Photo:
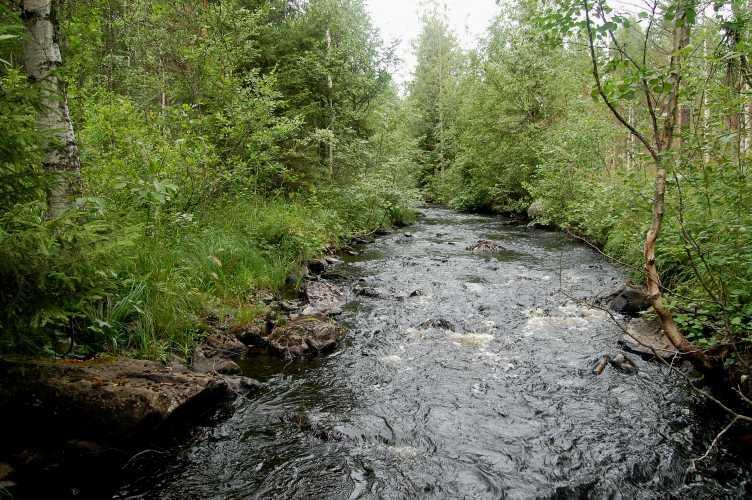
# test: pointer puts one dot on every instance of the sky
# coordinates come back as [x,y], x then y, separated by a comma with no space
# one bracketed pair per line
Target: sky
[400,20]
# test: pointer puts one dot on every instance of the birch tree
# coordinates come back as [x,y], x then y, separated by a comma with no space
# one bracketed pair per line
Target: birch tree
[42,58]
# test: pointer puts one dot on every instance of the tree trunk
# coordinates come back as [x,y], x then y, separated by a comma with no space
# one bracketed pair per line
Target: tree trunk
[664,148]
[330,85]
[41,59]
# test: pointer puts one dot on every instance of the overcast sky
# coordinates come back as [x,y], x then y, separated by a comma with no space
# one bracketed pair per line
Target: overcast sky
[400,19]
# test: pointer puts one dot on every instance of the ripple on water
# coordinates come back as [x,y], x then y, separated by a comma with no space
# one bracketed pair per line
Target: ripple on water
[504,406]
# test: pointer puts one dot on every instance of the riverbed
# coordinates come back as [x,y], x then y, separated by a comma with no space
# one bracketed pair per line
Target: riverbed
[462,376]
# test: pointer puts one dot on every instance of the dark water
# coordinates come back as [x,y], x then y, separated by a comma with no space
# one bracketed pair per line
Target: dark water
[504,406]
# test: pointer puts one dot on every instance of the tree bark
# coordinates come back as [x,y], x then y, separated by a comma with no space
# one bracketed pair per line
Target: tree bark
[41,60]
[680,40]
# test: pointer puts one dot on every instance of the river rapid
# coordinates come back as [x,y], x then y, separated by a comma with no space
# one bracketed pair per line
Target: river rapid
[462,376]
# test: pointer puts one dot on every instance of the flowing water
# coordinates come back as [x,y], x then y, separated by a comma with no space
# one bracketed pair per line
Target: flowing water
[495,398]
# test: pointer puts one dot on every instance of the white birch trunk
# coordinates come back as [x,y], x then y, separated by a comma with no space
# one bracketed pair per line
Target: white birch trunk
[41,60]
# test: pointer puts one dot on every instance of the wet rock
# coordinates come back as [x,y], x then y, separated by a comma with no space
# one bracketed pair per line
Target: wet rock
[111,400]
[646,339]
[203,363]
[417,293]
[623,364]
[332,261]
[305,335]
[242,386]
[628,300]
[217,354]
[317,266]
[324,298]
[224,345]
[536,209]
[250,335]
[368,292]
[381,232]
[437,323]
[485,246]
[408,235]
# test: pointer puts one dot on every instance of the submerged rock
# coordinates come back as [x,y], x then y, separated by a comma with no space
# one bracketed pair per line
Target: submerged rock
[305,335]
[485,246]
[441,324]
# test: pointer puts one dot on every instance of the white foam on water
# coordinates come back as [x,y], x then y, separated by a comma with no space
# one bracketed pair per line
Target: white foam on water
[471,339]
[569,316]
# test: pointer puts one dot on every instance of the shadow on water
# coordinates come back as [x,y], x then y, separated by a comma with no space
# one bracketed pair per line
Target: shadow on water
[462,376]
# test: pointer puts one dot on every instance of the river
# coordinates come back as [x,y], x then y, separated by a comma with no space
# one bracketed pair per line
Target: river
[493,398]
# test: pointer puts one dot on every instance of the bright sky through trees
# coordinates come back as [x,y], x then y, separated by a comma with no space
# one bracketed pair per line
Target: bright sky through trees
[400,19]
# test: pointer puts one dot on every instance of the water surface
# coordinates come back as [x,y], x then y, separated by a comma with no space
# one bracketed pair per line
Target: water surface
[496,401]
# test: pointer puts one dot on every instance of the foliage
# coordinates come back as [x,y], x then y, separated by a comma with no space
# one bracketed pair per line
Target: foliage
[200,129]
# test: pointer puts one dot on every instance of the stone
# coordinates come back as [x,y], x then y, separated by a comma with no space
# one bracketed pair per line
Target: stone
[536,209]
[332,261]
[485,246]
[365,291]
[250,335]
[318,266]
[305,336]
[646,339]
[623,364]
[628,300]
[114,400]
[441,324]
[204,363]
[224,345]
[323,298]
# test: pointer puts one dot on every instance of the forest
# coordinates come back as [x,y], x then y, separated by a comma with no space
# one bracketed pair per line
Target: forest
[182,157]
[182,180]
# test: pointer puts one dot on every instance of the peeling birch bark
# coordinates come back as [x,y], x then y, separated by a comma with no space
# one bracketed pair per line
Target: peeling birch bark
[41,60]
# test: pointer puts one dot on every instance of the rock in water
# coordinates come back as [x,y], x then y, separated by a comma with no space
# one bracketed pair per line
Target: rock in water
[628,300]
[217,354]
[623,364]
[305,335]
[324,298]
[485,246]
[116,401]
[646,339]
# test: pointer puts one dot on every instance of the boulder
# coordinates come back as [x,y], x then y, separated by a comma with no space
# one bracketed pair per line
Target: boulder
[204,362]
[628,300]
[116,401]
[304,336]
[318,266]
[217,354]
[536,210]
[485,246]
[251,335]
[646,339]
[324,298]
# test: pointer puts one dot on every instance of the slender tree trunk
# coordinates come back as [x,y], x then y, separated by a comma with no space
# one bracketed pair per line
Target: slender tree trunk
[41,59]
[330,84]
[680,37]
